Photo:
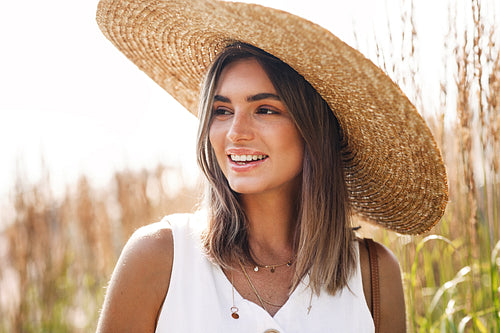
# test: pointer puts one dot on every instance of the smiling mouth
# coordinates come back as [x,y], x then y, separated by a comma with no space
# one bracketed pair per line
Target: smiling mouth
[245,159]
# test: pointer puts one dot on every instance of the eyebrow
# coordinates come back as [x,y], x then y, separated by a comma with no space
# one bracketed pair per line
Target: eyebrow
[219,98]
[262,96]
[253,98]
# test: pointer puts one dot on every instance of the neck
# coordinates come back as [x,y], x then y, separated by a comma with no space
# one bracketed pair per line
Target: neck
[272,222]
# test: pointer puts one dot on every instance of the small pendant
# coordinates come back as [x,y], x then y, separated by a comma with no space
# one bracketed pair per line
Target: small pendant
[272,269]
[234,313]
[256,268]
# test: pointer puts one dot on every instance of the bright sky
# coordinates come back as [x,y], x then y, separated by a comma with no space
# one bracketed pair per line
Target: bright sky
[68,95]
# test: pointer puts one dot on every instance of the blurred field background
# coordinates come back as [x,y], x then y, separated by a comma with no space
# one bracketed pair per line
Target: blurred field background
[57,251]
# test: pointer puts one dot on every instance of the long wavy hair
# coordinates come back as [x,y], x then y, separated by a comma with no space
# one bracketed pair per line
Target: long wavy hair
[324,240]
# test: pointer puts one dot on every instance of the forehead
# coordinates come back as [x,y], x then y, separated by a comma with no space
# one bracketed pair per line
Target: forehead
[241,74]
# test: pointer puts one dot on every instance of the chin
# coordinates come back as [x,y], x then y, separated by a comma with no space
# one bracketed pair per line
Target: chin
[242,189]
[246,187]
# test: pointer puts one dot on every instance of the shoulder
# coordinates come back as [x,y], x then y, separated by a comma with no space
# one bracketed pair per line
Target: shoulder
[149,246]
[150,236]
[140,281]
[387,261]
[392,305]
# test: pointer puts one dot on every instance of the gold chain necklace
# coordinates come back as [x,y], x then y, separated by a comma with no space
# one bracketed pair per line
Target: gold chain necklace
[261,300]
[235,309]
[273,267]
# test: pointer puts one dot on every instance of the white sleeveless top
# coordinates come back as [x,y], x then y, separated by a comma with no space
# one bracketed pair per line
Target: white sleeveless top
[199,297]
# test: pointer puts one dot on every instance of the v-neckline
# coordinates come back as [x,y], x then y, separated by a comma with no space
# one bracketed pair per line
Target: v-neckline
[230,286]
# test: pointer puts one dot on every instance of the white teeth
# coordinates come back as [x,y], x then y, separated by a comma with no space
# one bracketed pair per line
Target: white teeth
[247,158]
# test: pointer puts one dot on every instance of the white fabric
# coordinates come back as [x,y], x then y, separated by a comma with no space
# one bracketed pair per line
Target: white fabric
[200,297]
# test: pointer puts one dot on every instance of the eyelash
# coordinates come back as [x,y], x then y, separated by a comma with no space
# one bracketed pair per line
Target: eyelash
[266,111]
[261,110]
[221,112]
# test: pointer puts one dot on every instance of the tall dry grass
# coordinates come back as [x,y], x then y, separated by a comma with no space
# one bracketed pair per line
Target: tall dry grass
[451,275]
[61,251]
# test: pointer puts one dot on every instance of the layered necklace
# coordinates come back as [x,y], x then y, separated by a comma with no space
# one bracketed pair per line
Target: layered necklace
[262,301]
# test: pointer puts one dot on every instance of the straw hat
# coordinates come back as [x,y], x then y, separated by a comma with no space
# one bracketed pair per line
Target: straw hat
[394,171]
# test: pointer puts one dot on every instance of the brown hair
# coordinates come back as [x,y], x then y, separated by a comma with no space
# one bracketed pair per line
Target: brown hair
[323,237]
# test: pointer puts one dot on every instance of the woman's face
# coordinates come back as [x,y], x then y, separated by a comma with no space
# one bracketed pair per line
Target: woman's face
[256,142]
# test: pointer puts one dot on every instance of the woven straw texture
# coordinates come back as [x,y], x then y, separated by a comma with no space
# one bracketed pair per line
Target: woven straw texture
[394,171]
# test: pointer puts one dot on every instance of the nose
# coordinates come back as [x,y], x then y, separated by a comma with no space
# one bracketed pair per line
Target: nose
[241,128]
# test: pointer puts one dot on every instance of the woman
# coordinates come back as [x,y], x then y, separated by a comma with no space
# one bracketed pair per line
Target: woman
[288,150]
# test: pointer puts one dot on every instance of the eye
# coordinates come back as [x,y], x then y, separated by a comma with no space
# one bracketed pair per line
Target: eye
[266,110]
[222,111]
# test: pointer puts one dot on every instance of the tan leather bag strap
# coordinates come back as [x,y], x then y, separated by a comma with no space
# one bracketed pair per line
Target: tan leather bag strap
[374,279]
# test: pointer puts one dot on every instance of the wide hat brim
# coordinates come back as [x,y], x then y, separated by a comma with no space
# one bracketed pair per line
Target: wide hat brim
[394,170]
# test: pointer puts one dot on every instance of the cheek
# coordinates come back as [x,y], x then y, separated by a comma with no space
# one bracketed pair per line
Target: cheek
[212,136]
[295,144]
[216,139]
